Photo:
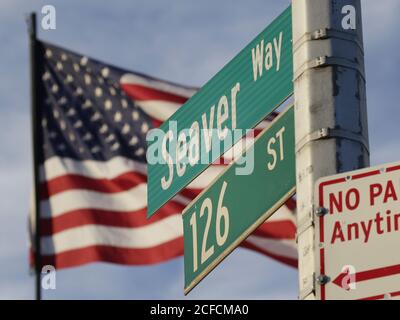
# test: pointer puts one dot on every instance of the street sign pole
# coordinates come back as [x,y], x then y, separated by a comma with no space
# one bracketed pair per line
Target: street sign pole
[330,111]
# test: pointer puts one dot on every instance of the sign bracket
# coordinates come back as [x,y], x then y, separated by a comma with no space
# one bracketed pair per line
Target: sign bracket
[327,133]
[309,289]
[305,223]
[327,33]
[328,61]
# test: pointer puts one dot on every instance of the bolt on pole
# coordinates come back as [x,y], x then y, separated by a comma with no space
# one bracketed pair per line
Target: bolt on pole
[330,111]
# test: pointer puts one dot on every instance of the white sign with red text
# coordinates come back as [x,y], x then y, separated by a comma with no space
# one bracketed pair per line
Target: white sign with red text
[358,234]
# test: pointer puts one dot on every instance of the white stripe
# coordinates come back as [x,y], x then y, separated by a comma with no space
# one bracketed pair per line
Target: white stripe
[283,213]
[125,201]
[284,247]
[263,124]
[160,110]
[58,166]
[148,236]
[130,78]
[206,177]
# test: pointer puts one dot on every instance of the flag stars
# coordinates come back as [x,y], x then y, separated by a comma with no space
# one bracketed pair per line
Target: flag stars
[145,127]
[46,76]
[62,101]
[126,128]
[117,116]
[56,113]
[98,92]
[87,137]
[69,78]
[105,72]
[84,61]
[135,115]
[139,152]
[124,103]
[134,140]
[59,66]
[71,112]
[87,104]
[95,149]
[88,115]
[63,125]
[78,124]
[108,104]
[76,67]
[115,146]
[88,79]
[103,129]
[110,138]
[49,53]
[96,116]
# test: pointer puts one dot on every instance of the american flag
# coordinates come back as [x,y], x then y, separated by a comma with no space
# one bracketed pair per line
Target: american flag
[94,119]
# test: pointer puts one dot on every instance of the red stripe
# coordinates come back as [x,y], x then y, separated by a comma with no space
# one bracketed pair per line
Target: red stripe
[127,256]
[121,183]
[284,229]
[143,93]
[286,260]
[82,217]
[190,193]
[291,204]
[156,123]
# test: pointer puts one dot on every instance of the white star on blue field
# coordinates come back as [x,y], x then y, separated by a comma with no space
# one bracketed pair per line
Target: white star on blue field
[187,42]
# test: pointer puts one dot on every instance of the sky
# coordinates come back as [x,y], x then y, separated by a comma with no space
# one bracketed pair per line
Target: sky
[187,42]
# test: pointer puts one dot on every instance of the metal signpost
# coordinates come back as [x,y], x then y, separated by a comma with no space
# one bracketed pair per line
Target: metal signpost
[243,93]
[330,110]
[224,214]
[358,232]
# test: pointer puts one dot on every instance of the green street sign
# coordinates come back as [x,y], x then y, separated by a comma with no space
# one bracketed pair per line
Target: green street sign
[237,98]
[224,214]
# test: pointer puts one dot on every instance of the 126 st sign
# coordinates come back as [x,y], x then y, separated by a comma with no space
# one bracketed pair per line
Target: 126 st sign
[233,206]
[237,98]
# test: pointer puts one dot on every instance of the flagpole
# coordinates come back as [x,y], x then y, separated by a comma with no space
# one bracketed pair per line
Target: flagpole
[35,145]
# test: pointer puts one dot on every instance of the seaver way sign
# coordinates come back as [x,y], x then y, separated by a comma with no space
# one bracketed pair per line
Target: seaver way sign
[237,98]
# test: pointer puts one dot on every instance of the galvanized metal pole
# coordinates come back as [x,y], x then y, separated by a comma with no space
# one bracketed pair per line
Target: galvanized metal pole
[330,110]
